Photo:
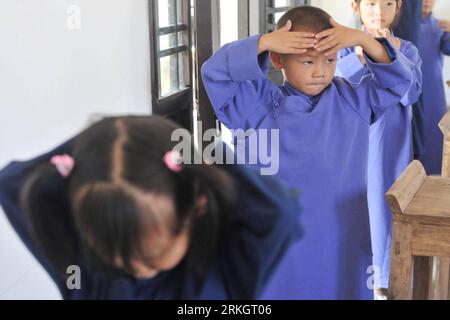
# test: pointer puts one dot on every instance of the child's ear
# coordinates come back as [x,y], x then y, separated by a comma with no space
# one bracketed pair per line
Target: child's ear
[399,4]
[276,60]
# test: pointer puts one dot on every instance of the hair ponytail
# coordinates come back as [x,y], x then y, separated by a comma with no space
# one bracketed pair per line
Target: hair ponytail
[217,186]
[118,160]
[45,204]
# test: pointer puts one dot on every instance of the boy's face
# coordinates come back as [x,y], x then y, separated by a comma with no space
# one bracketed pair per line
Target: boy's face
[428,6]
[310,73]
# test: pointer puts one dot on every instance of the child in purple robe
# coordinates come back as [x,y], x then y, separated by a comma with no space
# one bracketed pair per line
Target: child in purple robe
[390,142]
[323,124]
[434,44]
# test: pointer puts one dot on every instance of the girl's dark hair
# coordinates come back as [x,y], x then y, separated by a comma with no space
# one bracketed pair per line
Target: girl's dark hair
[119,161]
[397,16]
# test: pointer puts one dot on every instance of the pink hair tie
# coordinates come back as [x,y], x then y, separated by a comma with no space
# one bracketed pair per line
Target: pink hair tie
[173,161]
[64,164]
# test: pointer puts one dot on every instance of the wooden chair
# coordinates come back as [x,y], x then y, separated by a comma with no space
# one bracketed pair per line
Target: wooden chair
[444,125]
[421,230]
[420,266]
[440,288]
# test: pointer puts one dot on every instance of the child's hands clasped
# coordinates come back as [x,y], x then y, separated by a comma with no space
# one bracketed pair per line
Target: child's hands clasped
[386,33]
[382,33]
[284,41]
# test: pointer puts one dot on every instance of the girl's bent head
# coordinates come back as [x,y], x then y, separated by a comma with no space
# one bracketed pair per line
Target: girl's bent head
[132,213]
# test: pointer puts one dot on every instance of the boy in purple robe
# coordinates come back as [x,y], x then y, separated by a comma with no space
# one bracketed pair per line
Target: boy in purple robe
[323,125]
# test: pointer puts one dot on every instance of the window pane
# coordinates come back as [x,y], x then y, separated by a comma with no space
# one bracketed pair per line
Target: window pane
[182,38]
[282,3]
[167,41]
[183,59]
[276,5]
[166,13]
[229,28]
[180,12]
[168,75]
[278,16]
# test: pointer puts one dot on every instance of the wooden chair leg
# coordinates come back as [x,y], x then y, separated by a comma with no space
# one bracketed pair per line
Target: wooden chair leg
[441,283]
[401,261]
[422,276]
[449,286]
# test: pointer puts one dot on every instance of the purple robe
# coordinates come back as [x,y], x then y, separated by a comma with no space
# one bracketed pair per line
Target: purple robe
[323,152]
[434,44]
[390,153]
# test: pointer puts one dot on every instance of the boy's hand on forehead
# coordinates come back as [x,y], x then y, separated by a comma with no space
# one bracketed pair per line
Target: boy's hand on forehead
[285,41]
[337,38]
[340,37]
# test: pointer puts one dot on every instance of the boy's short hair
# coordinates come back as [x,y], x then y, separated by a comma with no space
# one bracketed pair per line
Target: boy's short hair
[306,18]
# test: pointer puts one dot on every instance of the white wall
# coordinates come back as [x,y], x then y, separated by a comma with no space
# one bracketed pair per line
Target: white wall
[55,74]
[228,21]
[341,10]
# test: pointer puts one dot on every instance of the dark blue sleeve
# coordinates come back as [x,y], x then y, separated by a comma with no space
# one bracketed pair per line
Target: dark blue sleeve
[443,37]
[445,43]
[408,27]
[260,231]
[12,178]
